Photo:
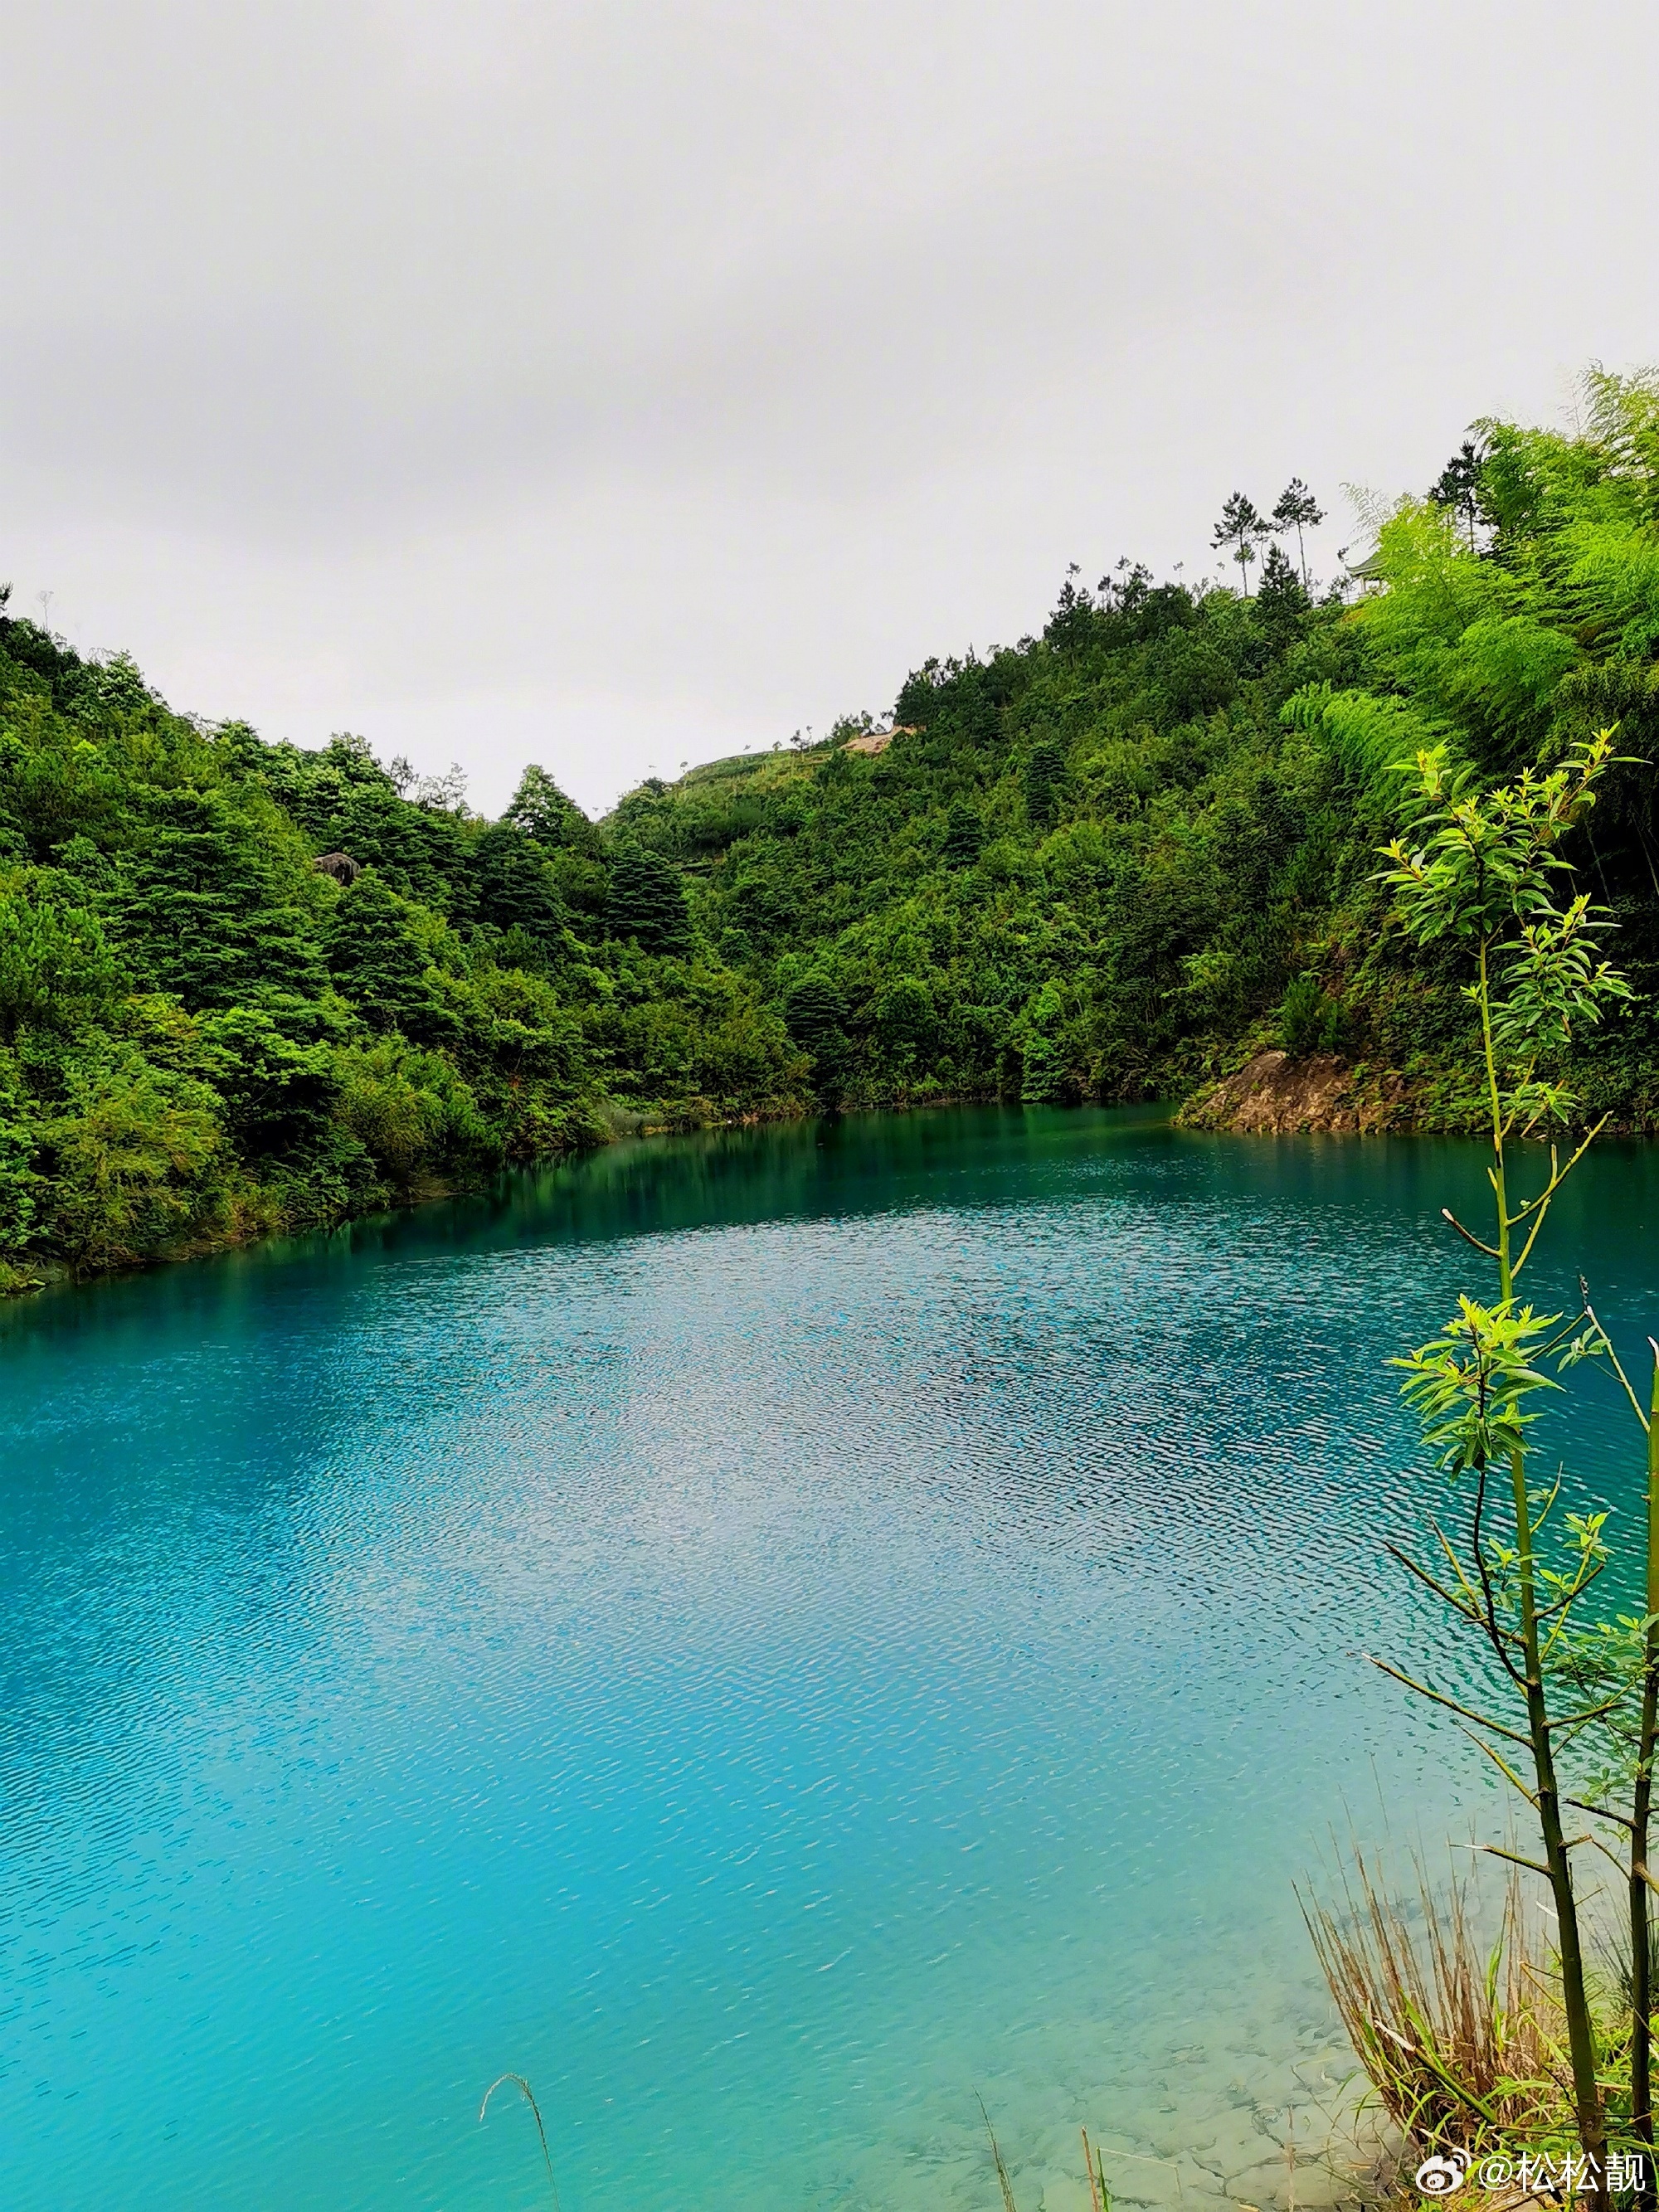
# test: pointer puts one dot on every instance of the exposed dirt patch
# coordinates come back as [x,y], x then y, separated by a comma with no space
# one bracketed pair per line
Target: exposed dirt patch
[1274,1096]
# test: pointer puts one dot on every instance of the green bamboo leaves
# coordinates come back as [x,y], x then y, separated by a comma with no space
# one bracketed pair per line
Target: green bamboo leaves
[1468,1384]
[1474,864]
[1480,868]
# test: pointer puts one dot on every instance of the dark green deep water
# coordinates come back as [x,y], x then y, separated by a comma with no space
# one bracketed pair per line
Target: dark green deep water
[765,1635]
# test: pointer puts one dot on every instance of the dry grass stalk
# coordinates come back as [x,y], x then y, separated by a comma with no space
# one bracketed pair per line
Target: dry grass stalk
[1456,2040]
[529,2096]
[1095,2189]
[1008,2204]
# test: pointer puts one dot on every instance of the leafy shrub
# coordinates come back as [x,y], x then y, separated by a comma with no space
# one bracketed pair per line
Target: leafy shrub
[56,967]
[134,1161]
[411,1112]
[1309,1022]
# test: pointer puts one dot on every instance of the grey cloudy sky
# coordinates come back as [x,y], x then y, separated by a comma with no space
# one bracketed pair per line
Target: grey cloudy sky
[617,386]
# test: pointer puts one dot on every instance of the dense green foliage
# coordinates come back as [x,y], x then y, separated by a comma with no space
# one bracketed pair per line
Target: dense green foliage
[1102,862]
[1081,861]
[1106,861]
[202,1035]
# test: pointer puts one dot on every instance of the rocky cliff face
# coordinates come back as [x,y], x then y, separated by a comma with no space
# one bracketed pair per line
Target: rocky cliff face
[1273,1094]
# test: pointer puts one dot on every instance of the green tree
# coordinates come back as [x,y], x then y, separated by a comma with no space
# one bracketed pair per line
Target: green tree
[21,1181]
[513,887]
[1309,1020]
[277,1089]
[1242,528]
[344,801]
[1281,603]
[1296,509]
[206,904]
[1071,626]
[816,1013]
[379,962]
[1480,870]
[1045,1079]
[135,1158]
[56,969]
[907,1021]
[541,810]
[647,900]
[1459,486]
[412,1112]
[1045,771]
[964,835]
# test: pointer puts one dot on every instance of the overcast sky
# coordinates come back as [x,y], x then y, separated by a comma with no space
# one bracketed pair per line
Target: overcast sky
[620,385]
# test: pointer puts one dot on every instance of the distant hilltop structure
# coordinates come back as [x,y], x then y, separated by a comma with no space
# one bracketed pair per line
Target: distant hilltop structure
[1369,574]
[877,741]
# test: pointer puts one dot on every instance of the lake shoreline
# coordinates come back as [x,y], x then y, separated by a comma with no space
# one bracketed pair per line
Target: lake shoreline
[1270,1094]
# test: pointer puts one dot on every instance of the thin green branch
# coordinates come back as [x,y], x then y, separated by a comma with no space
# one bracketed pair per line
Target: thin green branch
[1468,1606]
[1613,1357]
[1468,1235]
[1437,1697]
[1557,1177]
[1514,1858]
[1457,1566]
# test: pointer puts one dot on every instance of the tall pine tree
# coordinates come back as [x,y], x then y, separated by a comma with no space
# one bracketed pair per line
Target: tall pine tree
[647,902]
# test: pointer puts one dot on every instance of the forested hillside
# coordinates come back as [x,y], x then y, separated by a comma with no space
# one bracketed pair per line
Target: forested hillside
[204,1036]
[1102,862]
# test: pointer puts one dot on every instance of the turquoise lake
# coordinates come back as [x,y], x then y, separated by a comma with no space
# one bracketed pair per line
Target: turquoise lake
[769,1636]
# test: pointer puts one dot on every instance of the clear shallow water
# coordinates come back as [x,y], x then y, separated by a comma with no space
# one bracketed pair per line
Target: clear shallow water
[764,1635]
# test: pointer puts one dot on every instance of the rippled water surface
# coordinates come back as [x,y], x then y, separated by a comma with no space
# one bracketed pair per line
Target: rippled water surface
[765,1636]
